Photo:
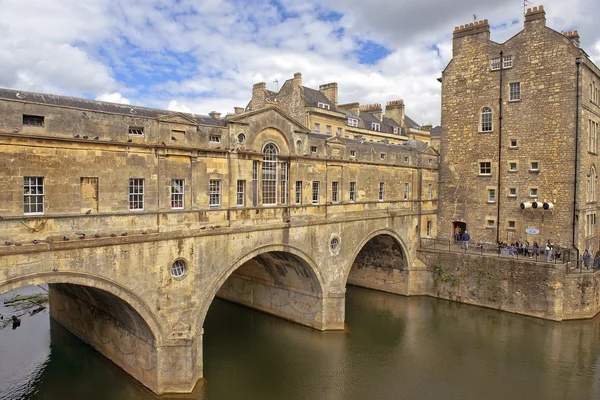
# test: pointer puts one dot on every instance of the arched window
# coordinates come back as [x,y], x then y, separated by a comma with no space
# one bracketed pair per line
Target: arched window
[486,119]
[269,175]
[592,185]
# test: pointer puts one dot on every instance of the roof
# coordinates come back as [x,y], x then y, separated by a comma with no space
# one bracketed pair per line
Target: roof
[313,97]
[101,106]
[411,123]
[436,131]
[410,145]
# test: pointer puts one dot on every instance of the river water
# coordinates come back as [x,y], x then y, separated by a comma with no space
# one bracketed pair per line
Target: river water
[394,348]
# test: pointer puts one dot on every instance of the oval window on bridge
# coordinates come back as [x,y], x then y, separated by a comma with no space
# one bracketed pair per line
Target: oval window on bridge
[335,244]
[178,269]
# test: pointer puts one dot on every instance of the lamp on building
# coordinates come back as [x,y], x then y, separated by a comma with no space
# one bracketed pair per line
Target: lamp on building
[548,206]
[525,205]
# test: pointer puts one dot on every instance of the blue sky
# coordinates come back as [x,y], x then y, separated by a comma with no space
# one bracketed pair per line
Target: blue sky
[203,55]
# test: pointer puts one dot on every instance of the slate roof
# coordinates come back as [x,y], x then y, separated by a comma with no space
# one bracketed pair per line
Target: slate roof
[102,106]
[411,144]
[410,123]
[313,97]
[436,131]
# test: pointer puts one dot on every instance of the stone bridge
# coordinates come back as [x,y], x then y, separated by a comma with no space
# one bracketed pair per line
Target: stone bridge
[118,293]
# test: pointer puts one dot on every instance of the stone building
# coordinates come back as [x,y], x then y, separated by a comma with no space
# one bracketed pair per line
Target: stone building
[519,144]
[320,111]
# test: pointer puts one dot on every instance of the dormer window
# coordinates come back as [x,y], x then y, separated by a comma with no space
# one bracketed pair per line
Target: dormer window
[352,122]
[33,120]
[324,105]
[375,126]
[136,130]
[396,130]
[214,139]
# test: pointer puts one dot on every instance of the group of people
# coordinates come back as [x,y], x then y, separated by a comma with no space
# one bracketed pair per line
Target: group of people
[527,249]
[587,259]
[462,237]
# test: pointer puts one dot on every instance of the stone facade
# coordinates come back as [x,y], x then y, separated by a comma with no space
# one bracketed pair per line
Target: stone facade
[532,146]
[320,111]
[138,218]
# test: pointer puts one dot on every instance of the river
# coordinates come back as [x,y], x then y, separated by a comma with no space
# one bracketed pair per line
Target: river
[393,348]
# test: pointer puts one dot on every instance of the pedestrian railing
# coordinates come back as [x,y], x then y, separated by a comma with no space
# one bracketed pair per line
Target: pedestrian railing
[558,255]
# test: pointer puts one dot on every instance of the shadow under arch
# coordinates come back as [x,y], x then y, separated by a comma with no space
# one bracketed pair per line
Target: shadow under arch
[286,255]
[380,262]
[97,286]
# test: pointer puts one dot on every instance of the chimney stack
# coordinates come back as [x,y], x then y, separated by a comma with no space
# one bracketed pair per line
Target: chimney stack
[535,18]
[259,96]
[238,110]
[215,115]
[298,79]
[330,90]
[354,107]
[475,30]
[374,109]
[573,37]
[395,110]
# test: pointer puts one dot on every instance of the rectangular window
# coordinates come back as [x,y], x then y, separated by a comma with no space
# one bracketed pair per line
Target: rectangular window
[507,62]
[512,224]
[515,91]
[382,156]
[352,192]
[381,190]
[177,191]
[406,159]
[240,193]
[512,192]
[315,192]
[284,183]
[353,153]
[513,143]
[136,131]
[375,126]
[428,230]
[214,138]
[254,182]
[335,186]
[136,194]
[491,223]
[317,127]
[313,149]
[339,131]
[328,129]
[324,105]
[533,192]
[491,195]
[33,120]
[485,168]
[396,130]
[406,191]
[429,191]
[352,122]
[214,193]
[495,64]
[33,195]
[534,166]
[177,135]
[593,134]
[298,192]
[512,166]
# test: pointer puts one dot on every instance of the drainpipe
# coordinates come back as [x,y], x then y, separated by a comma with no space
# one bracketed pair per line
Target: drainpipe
[498,195]
[578,63]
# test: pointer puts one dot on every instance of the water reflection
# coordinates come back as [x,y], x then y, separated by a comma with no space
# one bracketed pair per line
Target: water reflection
[394,348]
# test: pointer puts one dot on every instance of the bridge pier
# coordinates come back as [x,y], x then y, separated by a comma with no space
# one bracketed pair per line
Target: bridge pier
[117,331]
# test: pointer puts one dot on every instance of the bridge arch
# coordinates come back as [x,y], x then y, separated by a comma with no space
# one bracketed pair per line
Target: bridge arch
[96,283]
[307,283]
[380,262]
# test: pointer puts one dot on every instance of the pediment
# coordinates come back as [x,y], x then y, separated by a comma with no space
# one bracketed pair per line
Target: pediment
[177,118]
[248,117]
[336,140]
[431,151]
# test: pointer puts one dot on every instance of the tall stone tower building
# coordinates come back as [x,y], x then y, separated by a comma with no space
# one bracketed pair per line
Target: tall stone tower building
[520,137]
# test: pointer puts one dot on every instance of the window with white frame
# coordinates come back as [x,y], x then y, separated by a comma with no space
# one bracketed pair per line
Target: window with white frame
[382,156]
[352,153]
[533,192]
[298,192]
[352,192]
[269,175]
[317,127]
[593,135]
[214,138]
[514,91]
[214,193]
[352,122]
[323,105]
[512,224]
[315,192]
[512,166]
[534,166]
[512,192]
[335,192]
[485,168]
[514,143]
[495,63]
[507,62]
[376,126]
[406,187]
[491,195]
[240,193]
[33,195]
[396,130]
[339,131]
[381,190]
[328,129]
[486,120]
[136,193]
[254,182]
[284,183]
[590,224]
[491,223]
[177,194]
[591,185]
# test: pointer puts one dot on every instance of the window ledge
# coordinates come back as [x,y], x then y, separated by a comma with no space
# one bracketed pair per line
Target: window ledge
[485,175]
[486,131]
[514,101]
[593,152]
[512,196]
[513,147]
[490,227]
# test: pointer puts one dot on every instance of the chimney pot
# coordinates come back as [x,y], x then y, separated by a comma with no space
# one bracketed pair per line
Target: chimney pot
[214,115]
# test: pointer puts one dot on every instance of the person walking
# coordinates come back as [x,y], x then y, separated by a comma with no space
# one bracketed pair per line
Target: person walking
[457,232]
[586,259]
[511,250]
[536,249]
[527,247]
[465,240]
[548,251]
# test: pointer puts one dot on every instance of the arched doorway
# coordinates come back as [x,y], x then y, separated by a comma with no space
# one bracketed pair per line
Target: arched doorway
[458,228]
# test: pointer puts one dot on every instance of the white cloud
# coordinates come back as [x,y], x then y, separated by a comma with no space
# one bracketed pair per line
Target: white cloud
[203,55]
[114,97]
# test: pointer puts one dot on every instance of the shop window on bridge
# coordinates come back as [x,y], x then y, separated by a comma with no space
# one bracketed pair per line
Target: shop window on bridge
[254,183]
[33,195]
[284,183]
[335,192]
[136,194]
[298,192]
[214,193]
[177,192]
[241,193]
[269,175]
[352,192]
[315,192]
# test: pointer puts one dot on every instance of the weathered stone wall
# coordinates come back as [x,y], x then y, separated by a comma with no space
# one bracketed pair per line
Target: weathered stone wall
[515,285]
[542,123]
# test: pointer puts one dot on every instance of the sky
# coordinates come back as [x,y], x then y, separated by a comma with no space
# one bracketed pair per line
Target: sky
[204,55]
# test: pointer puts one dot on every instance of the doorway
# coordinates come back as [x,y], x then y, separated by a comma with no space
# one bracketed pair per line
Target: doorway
[460,225]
